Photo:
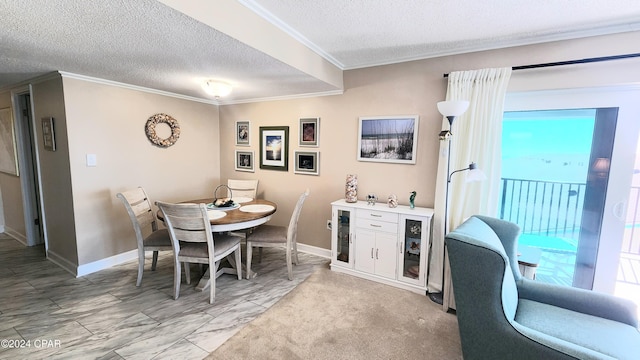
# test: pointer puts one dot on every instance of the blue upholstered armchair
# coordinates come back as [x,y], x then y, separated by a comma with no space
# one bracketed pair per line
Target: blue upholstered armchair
[502,315]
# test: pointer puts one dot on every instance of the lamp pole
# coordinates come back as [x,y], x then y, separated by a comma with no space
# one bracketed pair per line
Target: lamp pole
[449,109]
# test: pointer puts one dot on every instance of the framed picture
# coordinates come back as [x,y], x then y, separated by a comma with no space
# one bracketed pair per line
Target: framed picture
[391,139]
[274,148]
[309,132]
[243,133]
[306,162]
[8,150]
[48,134]
[244,160]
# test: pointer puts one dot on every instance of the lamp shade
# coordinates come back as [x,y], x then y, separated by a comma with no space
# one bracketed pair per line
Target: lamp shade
[453,107]
[475,174]
[217,88]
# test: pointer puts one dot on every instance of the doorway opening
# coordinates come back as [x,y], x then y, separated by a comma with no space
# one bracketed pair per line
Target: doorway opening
[27,157]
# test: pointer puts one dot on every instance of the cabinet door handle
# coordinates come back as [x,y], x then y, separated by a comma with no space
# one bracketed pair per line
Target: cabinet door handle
[377,254]
[375,225]
[372,253]
[375,215]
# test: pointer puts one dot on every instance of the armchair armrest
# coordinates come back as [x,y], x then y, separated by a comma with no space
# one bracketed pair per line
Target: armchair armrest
[580,300]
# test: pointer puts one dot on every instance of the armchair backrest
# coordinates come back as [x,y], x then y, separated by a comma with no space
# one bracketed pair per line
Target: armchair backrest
[482,273]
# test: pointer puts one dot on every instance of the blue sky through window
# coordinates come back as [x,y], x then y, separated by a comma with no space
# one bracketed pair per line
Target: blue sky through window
[550,145]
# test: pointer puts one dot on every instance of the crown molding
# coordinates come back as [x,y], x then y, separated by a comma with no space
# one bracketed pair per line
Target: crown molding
[134,87]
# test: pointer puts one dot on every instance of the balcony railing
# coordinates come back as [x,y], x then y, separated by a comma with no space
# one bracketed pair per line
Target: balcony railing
[544,208]
[631,241]
[554,209]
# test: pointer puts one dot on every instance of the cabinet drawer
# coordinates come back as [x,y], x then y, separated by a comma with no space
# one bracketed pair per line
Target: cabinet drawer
[370,224]
[377,215]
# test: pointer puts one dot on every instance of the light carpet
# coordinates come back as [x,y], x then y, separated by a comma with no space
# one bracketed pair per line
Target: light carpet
[338,316]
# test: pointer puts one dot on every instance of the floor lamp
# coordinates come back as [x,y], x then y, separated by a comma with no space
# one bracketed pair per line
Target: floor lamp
[449,109]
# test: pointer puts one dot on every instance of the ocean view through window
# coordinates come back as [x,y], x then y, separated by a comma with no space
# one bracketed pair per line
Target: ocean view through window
[546,158]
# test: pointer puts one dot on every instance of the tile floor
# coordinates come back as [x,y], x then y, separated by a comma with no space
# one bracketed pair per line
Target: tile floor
[105,316]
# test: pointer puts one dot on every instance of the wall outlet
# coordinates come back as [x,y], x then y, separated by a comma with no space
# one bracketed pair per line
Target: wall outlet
[328,224]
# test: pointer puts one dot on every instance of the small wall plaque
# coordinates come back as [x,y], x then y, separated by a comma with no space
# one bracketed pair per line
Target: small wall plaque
[48,134]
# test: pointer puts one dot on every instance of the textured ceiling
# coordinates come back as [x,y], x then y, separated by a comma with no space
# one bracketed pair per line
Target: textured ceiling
[148,44]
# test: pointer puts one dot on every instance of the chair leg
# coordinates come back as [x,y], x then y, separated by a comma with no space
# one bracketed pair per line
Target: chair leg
[249,254]
[187,272]
[289,265]
[260,255]
[140,266]
[213,270]
[155,260]
[239,262]
[176,280]
[295,252]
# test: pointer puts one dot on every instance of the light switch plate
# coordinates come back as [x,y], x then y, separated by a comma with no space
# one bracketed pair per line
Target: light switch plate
[92,160]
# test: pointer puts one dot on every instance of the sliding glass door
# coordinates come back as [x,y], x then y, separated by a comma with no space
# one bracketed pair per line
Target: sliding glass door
[568,158]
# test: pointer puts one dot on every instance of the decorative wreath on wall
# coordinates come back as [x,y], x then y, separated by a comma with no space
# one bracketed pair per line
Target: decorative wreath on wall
[150,129]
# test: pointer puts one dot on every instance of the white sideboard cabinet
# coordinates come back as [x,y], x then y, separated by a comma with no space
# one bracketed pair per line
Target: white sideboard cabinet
[379,243]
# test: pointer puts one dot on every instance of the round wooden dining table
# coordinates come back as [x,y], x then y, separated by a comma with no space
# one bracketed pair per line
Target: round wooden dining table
[237,218]
[246,215]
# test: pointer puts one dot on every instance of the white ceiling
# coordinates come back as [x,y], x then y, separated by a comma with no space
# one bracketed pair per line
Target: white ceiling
[150,44]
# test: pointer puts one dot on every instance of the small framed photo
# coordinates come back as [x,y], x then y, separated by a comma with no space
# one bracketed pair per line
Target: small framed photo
[309,132]
[390,139]
[274,148]
[307,162]
[48,134]
[243,133]
[244,160]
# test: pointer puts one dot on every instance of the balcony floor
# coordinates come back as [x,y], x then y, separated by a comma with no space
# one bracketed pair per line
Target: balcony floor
[557,268]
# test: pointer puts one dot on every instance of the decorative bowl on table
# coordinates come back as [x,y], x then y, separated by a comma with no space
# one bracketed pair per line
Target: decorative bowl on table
[222,203]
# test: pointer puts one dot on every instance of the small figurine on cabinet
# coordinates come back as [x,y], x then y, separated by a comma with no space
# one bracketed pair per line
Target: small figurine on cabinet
[412,198]
[392,201]
[372,199]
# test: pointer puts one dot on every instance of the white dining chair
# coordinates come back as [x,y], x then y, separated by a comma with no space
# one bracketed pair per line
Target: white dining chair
[145,225]
[243,188]
[277,236]
[193,242]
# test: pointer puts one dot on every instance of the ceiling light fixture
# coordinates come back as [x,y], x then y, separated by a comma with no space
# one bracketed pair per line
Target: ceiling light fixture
[217,88]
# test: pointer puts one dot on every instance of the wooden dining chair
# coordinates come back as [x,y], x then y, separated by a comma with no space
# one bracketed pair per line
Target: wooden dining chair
[277,236]
[145,224]
[243,188]
[193,242]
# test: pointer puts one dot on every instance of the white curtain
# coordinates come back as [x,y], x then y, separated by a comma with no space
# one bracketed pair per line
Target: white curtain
[477,137]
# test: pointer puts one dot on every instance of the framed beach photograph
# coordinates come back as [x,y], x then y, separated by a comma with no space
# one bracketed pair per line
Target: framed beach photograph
[243,133]
[274,148]
[309,132]
[307,162]
[8,150]
[391,139]
[244,160]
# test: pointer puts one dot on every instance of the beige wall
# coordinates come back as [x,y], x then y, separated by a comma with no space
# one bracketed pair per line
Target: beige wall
[109,122]
[406,88]
[86,223]
[56,192]
[13,214]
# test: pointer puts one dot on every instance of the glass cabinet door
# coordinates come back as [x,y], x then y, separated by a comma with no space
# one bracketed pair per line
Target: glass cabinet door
[342,236]
[414,247]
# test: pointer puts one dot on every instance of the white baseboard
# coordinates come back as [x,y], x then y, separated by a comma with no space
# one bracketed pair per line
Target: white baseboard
[91,267]
[106,263]
[62,262]
[21,238]
[314,250]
